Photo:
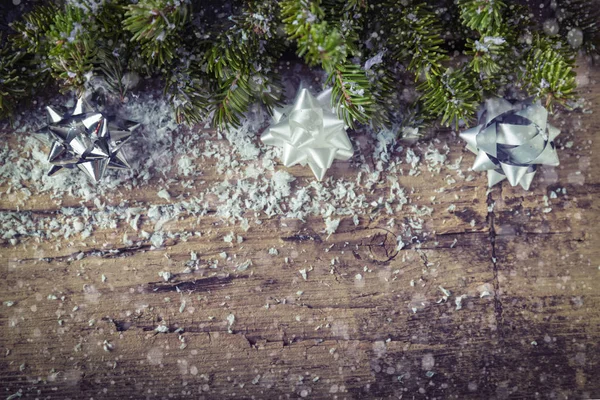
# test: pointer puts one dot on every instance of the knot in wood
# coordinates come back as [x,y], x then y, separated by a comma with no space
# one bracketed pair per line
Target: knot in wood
[383,246]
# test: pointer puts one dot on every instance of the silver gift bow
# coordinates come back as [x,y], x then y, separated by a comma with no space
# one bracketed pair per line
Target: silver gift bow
[309,132]
[87,140]
[511,140]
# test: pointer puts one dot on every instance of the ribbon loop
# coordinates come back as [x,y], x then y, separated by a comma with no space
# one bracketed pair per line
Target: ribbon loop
[511,140]
[309,132]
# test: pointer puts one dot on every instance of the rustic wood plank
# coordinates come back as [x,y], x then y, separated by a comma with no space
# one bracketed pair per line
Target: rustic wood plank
[335,311]
[372,324]
[546,272]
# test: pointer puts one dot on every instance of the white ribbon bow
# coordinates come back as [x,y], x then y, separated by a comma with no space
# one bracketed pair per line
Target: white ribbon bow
[310,133]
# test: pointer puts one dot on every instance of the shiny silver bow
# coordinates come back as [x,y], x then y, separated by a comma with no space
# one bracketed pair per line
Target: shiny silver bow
[87,140]
[511,141]
[310,133]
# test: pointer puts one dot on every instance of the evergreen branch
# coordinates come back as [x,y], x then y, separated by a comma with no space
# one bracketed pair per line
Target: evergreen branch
[188,89]
[242,63]
[228,66]
[21,74]
[384,94]
[224,63]
[496,58]
[232,101]
[73,49]
[111,14]
[484,16]
[351,94]
[417,37]
[112,69]
[450,95]
[23,64]
[487,53]
[239,83]
[155,24]
[317,42]
[12,87]
[347,18]
[31,31]
[549,73]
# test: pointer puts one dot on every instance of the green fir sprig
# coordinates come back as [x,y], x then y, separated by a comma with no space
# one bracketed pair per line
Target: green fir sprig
[317,41]
[482,15]
[32,30]
[450,96]
[217,59]
[417,40]
[157,25]
[242,62]
[351,92]
[549,74]
[72,48]
[12,89]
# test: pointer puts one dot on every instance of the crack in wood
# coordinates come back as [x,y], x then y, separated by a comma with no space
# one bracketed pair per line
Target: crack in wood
[110,253]
[197,285]
[577,239]
[45,212]
[254,339]
[92,207]
[491,220]
[423,258]
[302,238]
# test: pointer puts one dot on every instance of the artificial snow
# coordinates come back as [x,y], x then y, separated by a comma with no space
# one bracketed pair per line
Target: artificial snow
[247,183]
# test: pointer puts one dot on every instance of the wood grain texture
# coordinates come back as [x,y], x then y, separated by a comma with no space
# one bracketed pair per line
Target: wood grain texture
[372,324]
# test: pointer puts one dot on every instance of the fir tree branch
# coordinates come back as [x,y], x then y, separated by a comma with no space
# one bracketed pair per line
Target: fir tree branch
[31,31]
[232,101]
[498,53]
[113,70]
[451,96]
[156,24]
[317,42]
[351,94]
[417,39]
[484,16]
[384,94]
[549,73]
[347,18]
[488,53]
[189,90]
[12,86]
[23,58]
[242,63]
[73,48]
[220,65]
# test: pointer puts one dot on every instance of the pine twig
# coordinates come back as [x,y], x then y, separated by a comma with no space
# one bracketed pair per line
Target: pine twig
[450,95]
[484,16]
[318,43]
[549,73]
[156,24]
[351,94]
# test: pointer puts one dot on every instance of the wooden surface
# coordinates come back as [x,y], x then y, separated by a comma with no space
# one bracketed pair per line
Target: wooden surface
[374,324]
